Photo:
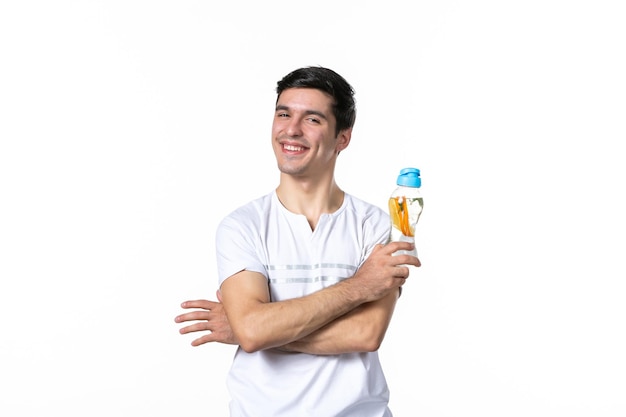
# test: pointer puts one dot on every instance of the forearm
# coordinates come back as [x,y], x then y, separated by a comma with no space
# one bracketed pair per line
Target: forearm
[261,324]
[361,330]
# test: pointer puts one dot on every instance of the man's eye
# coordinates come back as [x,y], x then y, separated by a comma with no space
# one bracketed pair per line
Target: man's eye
[282,115]
[314,120]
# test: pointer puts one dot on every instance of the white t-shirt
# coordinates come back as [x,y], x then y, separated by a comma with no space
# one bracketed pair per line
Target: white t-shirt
[265,237]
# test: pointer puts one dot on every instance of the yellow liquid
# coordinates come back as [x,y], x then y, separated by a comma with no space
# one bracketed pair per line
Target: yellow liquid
[405,213]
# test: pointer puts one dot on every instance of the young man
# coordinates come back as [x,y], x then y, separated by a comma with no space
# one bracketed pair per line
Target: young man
[308,284]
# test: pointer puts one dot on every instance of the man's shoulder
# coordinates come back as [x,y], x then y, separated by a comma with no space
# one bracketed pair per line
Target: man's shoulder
[251,210]
[363,207]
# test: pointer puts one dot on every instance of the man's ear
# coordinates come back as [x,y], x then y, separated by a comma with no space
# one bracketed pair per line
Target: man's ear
[343,140]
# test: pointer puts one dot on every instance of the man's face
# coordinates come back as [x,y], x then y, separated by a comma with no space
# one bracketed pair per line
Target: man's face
[303,133]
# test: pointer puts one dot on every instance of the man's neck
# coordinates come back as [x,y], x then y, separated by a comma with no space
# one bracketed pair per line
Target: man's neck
[309,198]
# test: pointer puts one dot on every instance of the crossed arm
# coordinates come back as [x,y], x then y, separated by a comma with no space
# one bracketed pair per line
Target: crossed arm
[350,316]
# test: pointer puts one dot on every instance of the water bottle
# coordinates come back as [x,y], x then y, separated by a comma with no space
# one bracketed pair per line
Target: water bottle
[405,207]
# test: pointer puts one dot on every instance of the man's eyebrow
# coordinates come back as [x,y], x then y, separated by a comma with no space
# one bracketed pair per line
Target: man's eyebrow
[308,112]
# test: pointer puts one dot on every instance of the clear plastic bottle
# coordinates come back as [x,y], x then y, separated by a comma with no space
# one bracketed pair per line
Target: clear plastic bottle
[405,207]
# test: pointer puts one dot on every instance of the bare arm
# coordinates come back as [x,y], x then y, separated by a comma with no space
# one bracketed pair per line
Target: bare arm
[361,330]
[260,324]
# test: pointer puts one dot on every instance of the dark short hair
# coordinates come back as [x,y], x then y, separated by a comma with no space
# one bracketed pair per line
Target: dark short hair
[328,81]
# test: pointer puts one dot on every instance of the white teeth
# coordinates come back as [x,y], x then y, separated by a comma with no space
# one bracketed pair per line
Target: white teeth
[293,148]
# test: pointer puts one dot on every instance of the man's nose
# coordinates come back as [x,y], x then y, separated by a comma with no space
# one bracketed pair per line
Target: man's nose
[294,128]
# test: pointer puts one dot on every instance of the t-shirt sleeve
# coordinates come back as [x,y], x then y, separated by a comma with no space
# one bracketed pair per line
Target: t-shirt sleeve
[236,249]
[377,227]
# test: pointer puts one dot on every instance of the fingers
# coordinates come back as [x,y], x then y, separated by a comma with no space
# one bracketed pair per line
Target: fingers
[407,260]
[193,316]
[200,341]
[197,327]
[401,272]
[205,304]
[207,338]
[207,308]
[404,259]
[209,316]
[392,247]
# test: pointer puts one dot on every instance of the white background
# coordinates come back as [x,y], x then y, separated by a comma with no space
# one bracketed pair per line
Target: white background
[130,128]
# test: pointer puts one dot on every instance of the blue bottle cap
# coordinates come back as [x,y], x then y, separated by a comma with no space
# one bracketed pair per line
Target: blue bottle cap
[409,177]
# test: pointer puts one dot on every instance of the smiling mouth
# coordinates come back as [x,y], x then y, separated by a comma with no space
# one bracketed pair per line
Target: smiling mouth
[294,148]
